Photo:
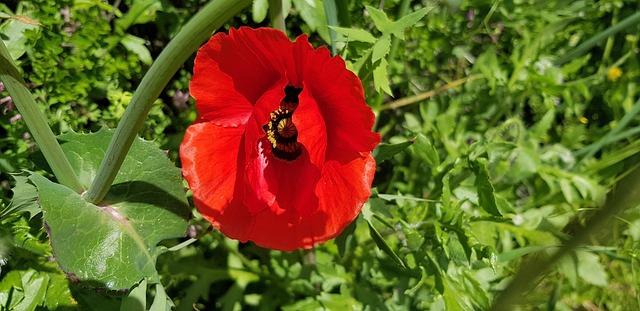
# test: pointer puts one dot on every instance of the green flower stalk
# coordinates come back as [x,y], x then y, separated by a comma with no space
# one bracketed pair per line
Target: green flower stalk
[186,42]
[36,122]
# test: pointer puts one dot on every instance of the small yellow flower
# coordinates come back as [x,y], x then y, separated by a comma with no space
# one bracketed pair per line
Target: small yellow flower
[584,120]
[614,73]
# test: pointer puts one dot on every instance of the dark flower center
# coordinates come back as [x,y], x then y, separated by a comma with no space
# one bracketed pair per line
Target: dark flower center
[281,132]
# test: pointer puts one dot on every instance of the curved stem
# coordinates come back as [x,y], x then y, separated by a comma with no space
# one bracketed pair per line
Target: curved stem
[36,122]
[188,40]
[626,194]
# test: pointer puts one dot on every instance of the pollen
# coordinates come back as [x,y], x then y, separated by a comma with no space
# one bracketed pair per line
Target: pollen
[281,131]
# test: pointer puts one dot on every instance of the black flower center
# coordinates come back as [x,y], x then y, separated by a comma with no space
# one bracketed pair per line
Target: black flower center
[281,132]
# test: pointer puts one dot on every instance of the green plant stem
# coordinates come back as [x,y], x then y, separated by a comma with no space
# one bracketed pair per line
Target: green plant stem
[36,122]
[331,12]
[277,15]
[344,18]
[630,21]
[626,194]
[186,42]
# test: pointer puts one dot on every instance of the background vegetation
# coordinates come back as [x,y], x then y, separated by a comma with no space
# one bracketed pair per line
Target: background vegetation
[518,135]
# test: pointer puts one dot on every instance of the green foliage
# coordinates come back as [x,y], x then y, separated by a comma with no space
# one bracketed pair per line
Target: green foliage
[119,235]
[473,183]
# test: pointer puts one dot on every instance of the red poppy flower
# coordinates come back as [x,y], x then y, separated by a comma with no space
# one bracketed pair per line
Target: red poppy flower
[281,151]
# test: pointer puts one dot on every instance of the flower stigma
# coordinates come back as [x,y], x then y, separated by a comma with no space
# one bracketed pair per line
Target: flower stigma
[281,132]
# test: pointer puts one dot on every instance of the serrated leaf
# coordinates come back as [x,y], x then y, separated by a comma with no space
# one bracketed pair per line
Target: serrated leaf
[136,46]
[25,197]
[379,18]
[381,49]
[486,192]
[398,27]
[380,79]
[259,10]
[386,151]
[355,34]
[113,244]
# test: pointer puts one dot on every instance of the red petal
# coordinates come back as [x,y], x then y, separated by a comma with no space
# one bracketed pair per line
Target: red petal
[254,58]
[210,155]
[216,98]
[342,190]
[312,132]
[340,97]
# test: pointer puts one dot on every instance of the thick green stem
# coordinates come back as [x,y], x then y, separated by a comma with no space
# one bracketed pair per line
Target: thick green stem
[36,122]
[630,21]
[187,42]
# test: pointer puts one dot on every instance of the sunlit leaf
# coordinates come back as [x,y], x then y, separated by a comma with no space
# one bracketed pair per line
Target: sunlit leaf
[113,244]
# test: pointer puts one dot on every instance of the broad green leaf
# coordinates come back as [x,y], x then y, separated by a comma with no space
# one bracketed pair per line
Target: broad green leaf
[381,48]
[486,192]
[380,19]
[25,197]
[113,244]
[259,10]
[136,46]
[386,151]
[355,34]
[380,78]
